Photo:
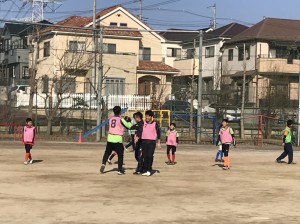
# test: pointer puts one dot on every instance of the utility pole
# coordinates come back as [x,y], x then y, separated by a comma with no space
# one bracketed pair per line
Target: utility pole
[298,143]
[99,98]
[243,95]
[141,9]
[95,47]
[199,111]
[214,19]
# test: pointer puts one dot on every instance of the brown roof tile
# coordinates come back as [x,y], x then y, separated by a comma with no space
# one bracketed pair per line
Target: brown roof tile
[228,31]
[78,21]
[155,66]
[271,29]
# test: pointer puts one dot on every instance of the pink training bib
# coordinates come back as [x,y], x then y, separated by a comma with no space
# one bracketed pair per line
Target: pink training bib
[171,139]
[115,126]
[225,135]
[149,131]
[28,134]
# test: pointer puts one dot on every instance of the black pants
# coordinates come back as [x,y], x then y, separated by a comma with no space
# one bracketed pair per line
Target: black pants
[288,151]
[119,149]
[131,143]
[28,147]
[171,147]
[225,149]
[138,156]
[148,148]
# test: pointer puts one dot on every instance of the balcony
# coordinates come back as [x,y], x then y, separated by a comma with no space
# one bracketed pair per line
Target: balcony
[77,60]
[278,65]
[186,66]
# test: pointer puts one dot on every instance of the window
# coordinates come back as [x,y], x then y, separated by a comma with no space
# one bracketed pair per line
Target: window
[145,54]
[76,46]
[2,73]
[45,83]
[210,51]
[25,72]
[47,49]
[109,48]
[241,53]
[174,52]
[230,54]
[114,86]
[123,24]
[66,85]
[1,46]
[113,24]
[190,53]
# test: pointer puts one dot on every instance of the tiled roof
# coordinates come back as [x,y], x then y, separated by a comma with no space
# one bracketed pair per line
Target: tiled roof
[228,31]
[106,11]
[79,21]
[271,29]
[16,29]
[119,32]
[155,66]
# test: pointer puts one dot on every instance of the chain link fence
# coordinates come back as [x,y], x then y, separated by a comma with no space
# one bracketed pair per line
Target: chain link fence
[266,108]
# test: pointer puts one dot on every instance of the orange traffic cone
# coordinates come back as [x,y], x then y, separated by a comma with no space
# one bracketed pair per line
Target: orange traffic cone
[80,138]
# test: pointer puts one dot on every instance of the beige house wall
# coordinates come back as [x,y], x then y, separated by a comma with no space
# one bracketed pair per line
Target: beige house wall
[186,66]
[149,39]
[167,59]
[279,65]
[235,65]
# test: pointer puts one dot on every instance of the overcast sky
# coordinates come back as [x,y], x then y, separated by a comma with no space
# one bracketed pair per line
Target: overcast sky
[164,14]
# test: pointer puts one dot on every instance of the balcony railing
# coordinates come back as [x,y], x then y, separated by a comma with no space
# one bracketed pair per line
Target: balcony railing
[278,65]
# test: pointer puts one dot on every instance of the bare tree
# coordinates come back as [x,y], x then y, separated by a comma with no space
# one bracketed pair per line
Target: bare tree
[69,65]
[275,100]
[34,49]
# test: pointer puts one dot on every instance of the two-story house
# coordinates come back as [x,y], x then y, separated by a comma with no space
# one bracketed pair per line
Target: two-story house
[188,63]
[132,55]
[14,55]
[272,51]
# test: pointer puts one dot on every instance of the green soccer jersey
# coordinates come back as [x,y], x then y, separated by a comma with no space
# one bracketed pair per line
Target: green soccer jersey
[118,138]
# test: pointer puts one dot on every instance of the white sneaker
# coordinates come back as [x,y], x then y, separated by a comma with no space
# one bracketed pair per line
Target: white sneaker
[109,162]
[31,161]
[26,162]
[146,174]
[120,173]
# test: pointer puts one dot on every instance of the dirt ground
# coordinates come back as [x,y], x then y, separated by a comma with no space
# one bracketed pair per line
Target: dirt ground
[65,186]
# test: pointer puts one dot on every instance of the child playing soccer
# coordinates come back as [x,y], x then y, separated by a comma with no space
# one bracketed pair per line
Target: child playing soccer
[131,132]
[171,141]
[219,153]
[115,138]
[138,141]
[28,139]
[287,144]
[226,136]
[219,150]
[150,134]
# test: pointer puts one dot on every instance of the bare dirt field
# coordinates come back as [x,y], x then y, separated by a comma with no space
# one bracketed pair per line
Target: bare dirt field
[65,186]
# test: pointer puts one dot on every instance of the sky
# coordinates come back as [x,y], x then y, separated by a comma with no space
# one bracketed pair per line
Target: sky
[165,14]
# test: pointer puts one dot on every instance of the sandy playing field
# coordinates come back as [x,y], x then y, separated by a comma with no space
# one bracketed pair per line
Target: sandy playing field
[65,186]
